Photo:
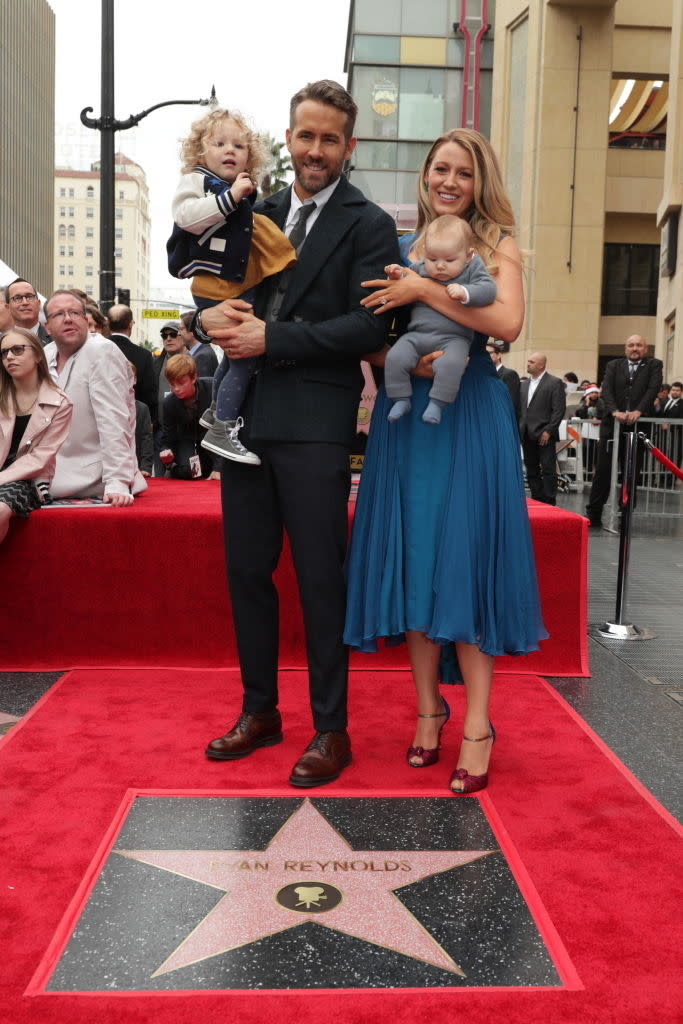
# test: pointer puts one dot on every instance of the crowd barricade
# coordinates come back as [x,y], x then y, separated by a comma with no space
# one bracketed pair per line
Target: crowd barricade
[659,493]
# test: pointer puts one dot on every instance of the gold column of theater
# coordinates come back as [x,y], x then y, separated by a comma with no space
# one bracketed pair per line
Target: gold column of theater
[670,298]
[554,71]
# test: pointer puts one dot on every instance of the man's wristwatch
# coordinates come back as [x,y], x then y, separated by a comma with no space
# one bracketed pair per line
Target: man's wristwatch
[196,327]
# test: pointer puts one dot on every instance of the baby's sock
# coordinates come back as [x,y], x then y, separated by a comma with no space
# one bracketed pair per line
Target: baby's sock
[432,413]
[398,409]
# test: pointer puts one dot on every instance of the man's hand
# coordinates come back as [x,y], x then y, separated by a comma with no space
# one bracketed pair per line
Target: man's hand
[544,438]
[166,456]
[118,500]
[620,416]
[631,417]
[215,475]
[244,338]
[424,368]
[242,186]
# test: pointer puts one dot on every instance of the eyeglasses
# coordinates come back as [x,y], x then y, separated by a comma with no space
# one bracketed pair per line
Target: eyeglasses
[23,298]
[15,350]
[169,334]
[72,314]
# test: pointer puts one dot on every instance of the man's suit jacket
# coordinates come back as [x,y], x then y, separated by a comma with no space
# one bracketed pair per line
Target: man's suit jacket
[145,387]
[309,385]
[546,410]
[619,394]
[98,456]
[206,360]
[512,382]
[674,413]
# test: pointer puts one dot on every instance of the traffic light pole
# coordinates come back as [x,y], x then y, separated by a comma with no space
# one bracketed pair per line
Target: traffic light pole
[107,126]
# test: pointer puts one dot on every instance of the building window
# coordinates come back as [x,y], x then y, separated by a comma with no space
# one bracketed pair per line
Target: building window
[62,270]
[118,272]
[72,231]
[70,271]
[629,279]
[376,49]
[119,213]
[62,230]
[89,232]
[122,194]
[88,252]
[88,271]
[62,250]
[71,193]
[62,211]
[70,251]
[88,290]
[71,211]
[118,253]
[90,212]
[118,232]
[90,192]
[62,192]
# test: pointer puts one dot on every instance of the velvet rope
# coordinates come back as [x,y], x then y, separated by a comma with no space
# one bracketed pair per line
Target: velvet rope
[661,457]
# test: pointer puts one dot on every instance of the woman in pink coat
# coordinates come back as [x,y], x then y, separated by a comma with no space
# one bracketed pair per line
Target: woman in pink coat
[34,421]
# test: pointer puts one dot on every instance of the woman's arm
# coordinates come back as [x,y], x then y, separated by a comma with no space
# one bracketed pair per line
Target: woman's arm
[39,462]
[503,319]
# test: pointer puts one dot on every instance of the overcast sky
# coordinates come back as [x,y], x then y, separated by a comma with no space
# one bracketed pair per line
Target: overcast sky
[257,55]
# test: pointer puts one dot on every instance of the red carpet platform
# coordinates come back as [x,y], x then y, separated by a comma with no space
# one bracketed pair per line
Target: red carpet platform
[145,586]
[597,851]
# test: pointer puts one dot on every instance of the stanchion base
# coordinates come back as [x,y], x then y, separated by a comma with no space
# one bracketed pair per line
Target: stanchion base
[621,631]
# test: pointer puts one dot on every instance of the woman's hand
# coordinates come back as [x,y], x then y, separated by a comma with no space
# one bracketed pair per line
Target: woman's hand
[424,368]
[391,294]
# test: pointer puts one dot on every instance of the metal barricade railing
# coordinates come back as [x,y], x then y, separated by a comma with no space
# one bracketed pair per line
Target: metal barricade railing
[658,491]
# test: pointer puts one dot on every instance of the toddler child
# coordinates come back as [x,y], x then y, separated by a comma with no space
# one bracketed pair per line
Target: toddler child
[225,249]
[451,260]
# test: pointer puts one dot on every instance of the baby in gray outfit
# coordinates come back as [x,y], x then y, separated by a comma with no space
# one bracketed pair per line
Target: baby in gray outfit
[451,260]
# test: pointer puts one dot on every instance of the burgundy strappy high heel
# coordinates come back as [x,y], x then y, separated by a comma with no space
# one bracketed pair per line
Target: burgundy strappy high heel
[472,783]
[430,756]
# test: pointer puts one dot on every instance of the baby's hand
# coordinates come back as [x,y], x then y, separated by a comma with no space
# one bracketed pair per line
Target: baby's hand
[242,186]
[394,271]
[457,292]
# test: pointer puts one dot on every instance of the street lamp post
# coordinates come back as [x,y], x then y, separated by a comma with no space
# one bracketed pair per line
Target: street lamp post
[107,126]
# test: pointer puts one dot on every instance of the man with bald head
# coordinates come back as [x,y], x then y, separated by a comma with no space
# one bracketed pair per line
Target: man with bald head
[121,322]
[629,388]
[542,407]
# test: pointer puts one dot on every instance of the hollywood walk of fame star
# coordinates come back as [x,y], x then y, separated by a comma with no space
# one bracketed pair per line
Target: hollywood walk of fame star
[307,855]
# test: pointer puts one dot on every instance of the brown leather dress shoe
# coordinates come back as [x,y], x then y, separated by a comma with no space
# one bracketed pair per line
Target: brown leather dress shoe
[323,760]
[249,732]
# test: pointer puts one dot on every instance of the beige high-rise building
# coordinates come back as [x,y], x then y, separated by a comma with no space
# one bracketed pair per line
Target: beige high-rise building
[27,116]
[77,233]
[586,117]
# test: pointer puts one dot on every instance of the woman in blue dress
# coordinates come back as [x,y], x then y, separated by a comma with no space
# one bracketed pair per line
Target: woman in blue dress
[441,547]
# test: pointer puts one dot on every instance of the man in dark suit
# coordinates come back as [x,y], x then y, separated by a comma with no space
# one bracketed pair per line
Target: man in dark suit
[121,323]
[542,406]
[203,355]
[629,388]
[670,438]
[23,304]
[300,418]
[509,377]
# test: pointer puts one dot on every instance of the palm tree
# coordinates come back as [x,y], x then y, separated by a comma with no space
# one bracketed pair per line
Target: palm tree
[278,166]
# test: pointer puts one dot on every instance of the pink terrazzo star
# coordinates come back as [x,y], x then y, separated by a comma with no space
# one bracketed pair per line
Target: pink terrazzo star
[310,859]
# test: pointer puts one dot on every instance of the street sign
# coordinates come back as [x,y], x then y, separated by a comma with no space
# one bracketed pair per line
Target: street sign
[161,314]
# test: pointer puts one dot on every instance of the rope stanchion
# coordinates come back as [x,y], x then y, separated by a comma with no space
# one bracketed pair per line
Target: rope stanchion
[619,629]
[660,456]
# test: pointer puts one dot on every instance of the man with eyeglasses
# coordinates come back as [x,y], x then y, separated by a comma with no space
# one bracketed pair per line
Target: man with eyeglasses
[173,345]
[98,459]
[24,307]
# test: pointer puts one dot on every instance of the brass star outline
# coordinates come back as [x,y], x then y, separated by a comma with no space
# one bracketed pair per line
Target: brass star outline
[249,910]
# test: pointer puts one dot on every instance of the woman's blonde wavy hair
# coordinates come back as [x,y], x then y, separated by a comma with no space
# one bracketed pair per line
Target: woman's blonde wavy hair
[491,214]
[192,148]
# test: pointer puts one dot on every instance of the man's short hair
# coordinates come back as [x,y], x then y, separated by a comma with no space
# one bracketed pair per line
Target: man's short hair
[186,319]
[61,291]
[180,366]
[120,317]
[331,93]
[17,280]
[676,384]
[571,376]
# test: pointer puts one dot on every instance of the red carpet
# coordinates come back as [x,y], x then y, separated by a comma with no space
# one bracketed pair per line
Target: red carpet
[598,850]
[129,580]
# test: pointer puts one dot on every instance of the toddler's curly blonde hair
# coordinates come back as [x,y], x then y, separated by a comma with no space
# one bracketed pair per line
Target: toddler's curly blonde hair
[192,148]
